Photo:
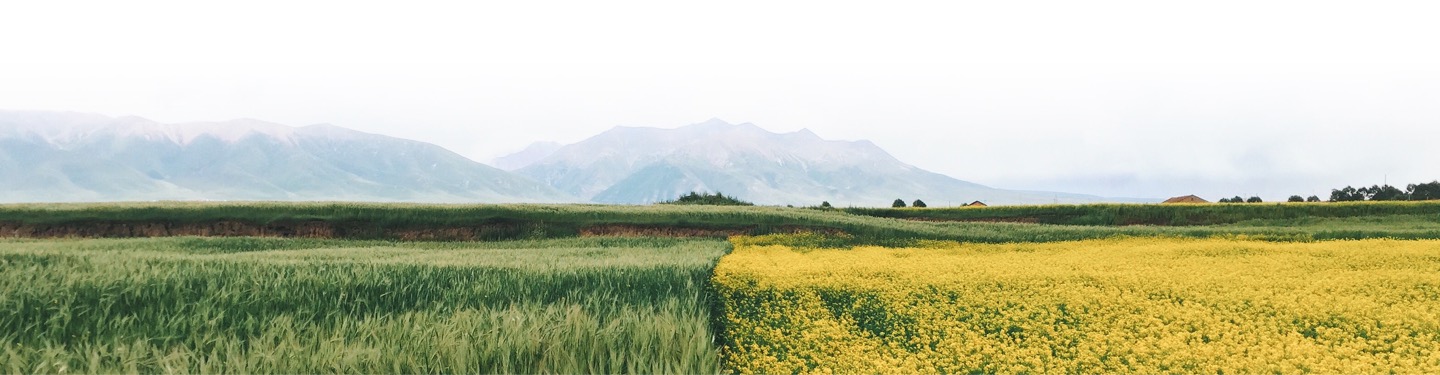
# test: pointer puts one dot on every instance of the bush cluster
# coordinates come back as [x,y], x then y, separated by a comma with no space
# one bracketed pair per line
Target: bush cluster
[717,199]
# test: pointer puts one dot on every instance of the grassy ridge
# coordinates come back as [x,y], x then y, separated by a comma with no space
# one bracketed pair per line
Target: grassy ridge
[244,305]
[1286,222]
[507,221]
[1160,214]
[561,216]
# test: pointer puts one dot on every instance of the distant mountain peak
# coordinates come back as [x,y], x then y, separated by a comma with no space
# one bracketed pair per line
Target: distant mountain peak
[63,157]
[716,124]
[770,167]
[226,131]
[646,164]
[805,133]
[529,155]
[333,131]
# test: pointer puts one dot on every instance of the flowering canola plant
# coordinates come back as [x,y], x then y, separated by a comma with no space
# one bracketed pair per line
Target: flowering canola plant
[1151,305]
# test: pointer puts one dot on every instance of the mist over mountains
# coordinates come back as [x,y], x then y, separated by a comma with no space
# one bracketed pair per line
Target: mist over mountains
[645,165]
[67,157]
[531,154]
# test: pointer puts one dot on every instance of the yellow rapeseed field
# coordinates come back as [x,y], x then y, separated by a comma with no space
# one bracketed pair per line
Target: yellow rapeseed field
[1149,305]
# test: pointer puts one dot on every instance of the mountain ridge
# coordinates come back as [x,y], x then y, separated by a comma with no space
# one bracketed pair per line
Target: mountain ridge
[529,155]
[636,165]
[83,157]
[74,156]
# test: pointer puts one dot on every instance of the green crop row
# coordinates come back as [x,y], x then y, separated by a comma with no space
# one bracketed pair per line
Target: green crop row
[265,305]
[895,227]
[1161,214]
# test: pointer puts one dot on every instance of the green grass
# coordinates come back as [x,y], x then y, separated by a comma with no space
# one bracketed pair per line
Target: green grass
[1282,222]
[504,221]
[1162,214]
[246,305]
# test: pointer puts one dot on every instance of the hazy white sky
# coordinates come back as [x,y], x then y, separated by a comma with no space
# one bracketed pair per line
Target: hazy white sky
[1149,99]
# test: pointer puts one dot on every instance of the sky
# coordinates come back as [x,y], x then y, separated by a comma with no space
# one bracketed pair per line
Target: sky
[1113,98]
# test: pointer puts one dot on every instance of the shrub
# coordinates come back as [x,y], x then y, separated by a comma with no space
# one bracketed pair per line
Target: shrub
[898,203]
[918,203]
[1295,198]
[717,199]
[1254,200]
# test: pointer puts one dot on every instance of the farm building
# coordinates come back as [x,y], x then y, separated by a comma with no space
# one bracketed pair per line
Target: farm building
[1186,199]
[976,204]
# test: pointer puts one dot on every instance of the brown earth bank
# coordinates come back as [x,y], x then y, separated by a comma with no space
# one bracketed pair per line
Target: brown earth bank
[323,229]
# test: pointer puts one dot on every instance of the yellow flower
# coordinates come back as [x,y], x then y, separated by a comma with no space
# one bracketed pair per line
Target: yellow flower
[1116,305]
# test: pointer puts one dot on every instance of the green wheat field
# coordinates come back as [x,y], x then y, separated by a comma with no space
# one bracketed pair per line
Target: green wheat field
[259,305]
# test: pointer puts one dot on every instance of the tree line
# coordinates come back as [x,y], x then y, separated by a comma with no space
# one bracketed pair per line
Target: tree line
[1238,199]
[901,203]
[1413,192]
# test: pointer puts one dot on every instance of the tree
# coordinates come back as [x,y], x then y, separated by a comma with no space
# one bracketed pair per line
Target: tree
[1237,199]
[1295,198]
[1424,192]
[1253,200]
[1387,193]
[1312,199]
[898,203]
[918,203]
[1224,200]
[1347,194]
[825,204]
[1364,193]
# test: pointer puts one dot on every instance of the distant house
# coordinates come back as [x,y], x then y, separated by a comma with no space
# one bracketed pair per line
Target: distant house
[1186,199]
[976,204]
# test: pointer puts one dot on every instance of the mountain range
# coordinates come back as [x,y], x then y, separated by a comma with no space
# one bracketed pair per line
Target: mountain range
[645,165]
[66,156]
[62,157]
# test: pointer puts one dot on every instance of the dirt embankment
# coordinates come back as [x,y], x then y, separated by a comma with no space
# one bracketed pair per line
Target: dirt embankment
[323,229]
